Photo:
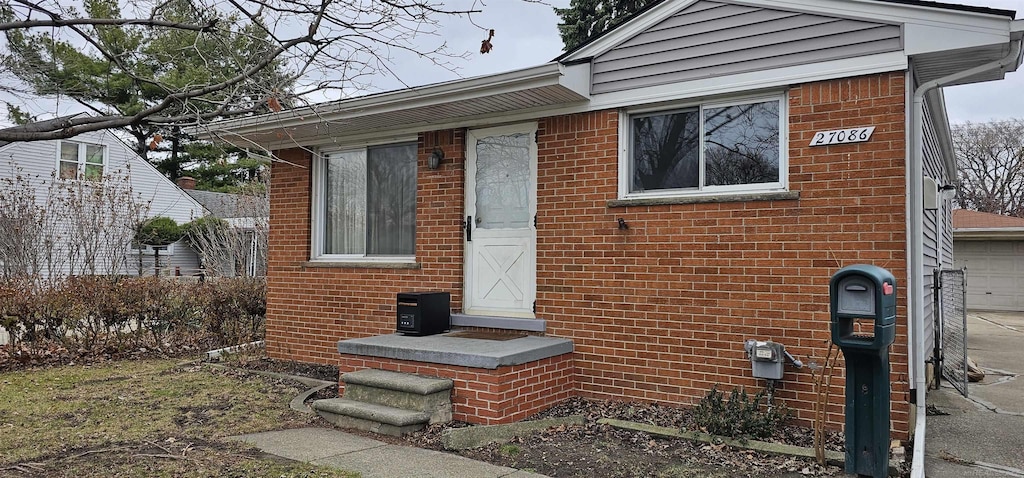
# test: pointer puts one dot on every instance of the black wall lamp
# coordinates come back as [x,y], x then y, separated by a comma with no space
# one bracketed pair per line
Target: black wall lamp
[947,191]
[434,161]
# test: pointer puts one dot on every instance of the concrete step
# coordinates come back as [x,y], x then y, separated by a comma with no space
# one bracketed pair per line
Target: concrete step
[370,416]
[398,390]
[402,382]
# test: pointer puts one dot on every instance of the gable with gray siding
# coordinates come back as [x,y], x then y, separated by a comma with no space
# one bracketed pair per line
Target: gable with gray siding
[709,39]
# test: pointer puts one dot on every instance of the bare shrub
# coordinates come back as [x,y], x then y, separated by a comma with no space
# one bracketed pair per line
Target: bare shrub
[91,316]
[52,227]
[237,246]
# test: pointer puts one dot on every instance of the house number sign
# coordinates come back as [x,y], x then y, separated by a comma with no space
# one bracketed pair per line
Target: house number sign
[842,136]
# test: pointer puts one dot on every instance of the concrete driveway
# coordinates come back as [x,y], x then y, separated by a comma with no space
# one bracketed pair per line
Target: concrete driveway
[982,436]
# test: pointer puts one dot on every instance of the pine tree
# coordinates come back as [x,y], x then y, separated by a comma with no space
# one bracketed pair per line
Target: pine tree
[132,68]
[585,19]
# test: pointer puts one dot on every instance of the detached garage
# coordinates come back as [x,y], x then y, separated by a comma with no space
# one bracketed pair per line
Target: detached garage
[991,247]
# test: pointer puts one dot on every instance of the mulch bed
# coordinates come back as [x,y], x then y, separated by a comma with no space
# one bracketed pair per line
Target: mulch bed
[601,450]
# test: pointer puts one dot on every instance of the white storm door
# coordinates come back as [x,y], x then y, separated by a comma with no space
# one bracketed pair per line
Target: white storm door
[501,203]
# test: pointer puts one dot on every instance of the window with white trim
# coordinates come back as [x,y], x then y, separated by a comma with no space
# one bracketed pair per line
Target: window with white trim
[727,147]
[81,160]
[366,203]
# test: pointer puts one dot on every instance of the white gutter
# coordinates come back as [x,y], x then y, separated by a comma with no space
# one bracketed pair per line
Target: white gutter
[941,122]
[916,195]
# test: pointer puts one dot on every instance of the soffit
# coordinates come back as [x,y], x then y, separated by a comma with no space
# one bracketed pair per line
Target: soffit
[415,109]
[931,66]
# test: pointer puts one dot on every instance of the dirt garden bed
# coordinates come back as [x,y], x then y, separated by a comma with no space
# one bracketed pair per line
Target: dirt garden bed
[595,449]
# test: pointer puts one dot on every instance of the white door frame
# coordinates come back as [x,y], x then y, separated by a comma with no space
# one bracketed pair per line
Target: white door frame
[509,238]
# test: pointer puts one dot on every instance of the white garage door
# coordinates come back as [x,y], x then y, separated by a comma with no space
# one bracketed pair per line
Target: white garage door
[995,273]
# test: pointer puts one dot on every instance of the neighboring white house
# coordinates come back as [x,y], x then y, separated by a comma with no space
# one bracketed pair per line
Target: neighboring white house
[70,171]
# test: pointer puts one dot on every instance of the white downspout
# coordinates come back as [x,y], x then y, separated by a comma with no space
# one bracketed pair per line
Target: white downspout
[916,194]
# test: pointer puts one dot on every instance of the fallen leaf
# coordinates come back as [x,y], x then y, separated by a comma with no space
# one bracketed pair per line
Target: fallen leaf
[274,104]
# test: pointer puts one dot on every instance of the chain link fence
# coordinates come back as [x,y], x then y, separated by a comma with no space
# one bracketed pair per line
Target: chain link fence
[952,298]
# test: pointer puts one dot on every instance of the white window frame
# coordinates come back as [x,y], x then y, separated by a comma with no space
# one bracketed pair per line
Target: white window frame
[626,143]
[318,209]
[81,159]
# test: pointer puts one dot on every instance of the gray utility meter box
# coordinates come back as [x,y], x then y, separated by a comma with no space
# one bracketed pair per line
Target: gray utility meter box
[767,358]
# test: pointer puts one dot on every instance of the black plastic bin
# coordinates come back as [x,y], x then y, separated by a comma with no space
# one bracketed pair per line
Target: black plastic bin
[424,313]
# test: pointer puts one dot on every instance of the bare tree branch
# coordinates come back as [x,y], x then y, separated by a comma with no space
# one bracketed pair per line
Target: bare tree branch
[316,45]
[59,22]
[990,160]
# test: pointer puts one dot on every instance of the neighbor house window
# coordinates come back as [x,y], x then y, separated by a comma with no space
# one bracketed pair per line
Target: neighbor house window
[81,161]
[367,202]
[709,148]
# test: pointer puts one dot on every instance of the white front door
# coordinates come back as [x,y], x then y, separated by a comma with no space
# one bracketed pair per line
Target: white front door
[501,204]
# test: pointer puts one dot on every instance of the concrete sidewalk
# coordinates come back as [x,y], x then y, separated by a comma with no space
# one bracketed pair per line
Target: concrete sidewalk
[982,436]
[372,458]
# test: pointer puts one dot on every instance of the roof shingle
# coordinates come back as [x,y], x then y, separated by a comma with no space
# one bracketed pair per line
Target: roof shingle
[966,219]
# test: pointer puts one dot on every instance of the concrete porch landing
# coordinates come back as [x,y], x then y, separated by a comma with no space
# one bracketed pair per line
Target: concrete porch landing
[495,381]
[459,351]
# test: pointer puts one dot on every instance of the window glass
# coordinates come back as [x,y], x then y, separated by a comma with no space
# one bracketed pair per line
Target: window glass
[68,170]
[370,201]
[93,162]
[741,144]
[93,172]
[665,151]
[69,151]
[503,182]
[68,160]
[391,200]
[93,154]
[71,162]
[706,148]
[345,196]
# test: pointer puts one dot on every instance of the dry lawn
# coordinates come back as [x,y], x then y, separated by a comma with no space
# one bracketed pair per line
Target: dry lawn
[143,418]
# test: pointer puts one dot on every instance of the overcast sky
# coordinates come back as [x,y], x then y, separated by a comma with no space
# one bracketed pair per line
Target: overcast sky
[526,35]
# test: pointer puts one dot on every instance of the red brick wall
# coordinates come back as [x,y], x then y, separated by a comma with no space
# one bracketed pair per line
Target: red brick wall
[659,311]
[310,308]
[488,397]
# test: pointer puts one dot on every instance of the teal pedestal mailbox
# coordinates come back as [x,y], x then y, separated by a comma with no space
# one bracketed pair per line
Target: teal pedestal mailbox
[863,304]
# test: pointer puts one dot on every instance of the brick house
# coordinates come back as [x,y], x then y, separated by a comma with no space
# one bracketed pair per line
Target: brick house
[687,181]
